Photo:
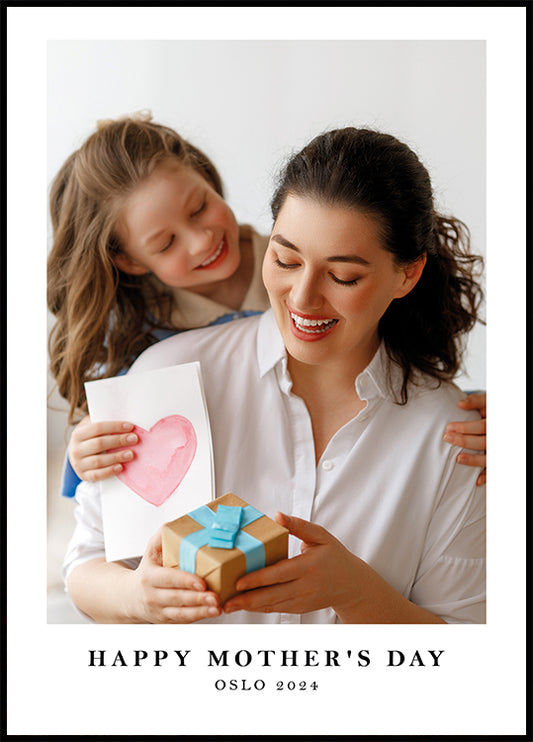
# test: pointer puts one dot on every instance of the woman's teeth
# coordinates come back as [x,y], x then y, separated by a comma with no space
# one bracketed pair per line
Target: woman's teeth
[313,325]
[213,257]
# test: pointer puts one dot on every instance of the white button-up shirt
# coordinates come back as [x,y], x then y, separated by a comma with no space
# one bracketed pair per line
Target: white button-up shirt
[387,485]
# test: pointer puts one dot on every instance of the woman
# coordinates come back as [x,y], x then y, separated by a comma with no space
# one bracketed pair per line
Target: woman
[330,407]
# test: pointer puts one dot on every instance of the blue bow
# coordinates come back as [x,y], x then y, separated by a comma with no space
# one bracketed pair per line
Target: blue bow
[223,530]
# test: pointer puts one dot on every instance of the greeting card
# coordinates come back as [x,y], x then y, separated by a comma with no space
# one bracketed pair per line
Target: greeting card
[172,470]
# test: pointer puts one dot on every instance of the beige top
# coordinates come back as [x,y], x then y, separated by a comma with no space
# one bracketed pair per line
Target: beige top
[193,310]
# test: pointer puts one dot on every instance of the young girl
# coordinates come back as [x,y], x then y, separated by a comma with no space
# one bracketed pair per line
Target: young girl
[145,246]
[345,383]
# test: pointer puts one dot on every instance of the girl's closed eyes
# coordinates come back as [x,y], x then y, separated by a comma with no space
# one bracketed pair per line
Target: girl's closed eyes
[168,244]
[194,214]
[200,209]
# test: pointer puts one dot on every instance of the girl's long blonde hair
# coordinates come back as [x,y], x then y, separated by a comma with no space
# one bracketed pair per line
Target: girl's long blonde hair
[102,320]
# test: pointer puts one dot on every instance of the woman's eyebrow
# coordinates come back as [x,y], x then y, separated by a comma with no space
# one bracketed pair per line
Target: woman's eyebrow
[333,259]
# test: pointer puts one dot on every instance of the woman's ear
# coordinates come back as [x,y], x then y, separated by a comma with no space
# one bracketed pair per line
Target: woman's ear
[128,265]
[411,276]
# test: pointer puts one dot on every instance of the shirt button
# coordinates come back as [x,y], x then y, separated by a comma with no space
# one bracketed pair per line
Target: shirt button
[327,465]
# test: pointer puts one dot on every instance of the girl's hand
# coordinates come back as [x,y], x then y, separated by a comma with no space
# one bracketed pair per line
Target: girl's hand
[91,448]
[472,435]
[166,594]
[323,575]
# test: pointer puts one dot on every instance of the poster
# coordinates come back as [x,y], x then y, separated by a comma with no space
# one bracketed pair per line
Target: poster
[350,680]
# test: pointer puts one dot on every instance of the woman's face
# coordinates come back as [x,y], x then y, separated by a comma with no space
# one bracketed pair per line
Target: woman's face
[330,281]
[176,226]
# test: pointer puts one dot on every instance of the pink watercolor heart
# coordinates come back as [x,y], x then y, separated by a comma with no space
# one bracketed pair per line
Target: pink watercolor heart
[163,456]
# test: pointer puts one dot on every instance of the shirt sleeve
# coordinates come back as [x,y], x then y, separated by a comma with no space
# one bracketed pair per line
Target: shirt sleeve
[87,541]
[450,581]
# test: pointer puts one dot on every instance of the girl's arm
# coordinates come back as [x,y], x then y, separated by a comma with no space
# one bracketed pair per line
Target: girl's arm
[111,592]
[323,576]
[91,448]
[471,435]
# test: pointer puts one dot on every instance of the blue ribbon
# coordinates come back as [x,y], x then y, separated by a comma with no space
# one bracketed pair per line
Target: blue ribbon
[223,530]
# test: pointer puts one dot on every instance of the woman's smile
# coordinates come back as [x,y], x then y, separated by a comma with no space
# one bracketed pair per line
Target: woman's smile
[310,327]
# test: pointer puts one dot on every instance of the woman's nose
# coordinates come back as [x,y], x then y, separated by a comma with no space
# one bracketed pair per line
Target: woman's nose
[306,291]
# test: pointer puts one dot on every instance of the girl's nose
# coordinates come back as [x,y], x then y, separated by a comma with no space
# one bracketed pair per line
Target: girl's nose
[305,292]
[199,240]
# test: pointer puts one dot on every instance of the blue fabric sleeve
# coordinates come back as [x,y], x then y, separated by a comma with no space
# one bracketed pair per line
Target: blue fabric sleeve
[69,479]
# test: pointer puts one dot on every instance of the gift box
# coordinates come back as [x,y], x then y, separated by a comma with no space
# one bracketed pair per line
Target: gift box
[222,541]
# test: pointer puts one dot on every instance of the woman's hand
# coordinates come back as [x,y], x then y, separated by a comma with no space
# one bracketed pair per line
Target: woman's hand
[324,575]
[91,448]
[167,594]
[321,576]
[471,434]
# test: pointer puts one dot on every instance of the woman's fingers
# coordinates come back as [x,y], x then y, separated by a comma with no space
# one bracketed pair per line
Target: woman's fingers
[266,599]
[285,570]
[310,533]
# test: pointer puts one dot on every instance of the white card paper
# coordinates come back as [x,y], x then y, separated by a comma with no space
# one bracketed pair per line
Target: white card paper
[172,472]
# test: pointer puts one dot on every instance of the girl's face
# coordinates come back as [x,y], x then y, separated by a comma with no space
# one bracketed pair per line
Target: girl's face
[330,281]
[176,226]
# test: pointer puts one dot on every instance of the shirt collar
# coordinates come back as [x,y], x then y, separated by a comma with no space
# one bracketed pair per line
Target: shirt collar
[372,381]
[381,378]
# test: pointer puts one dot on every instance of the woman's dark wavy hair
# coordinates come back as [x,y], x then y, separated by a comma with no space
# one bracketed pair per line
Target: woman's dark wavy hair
[102,314]
[380,176]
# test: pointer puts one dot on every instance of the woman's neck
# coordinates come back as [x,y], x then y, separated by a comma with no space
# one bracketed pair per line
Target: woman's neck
[329,394]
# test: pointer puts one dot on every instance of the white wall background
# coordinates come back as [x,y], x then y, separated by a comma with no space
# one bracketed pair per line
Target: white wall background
[248,104]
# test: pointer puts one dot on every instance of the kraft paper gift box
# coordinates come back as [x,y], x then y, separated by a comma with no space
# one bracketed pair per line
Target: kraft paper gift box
[242,540]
